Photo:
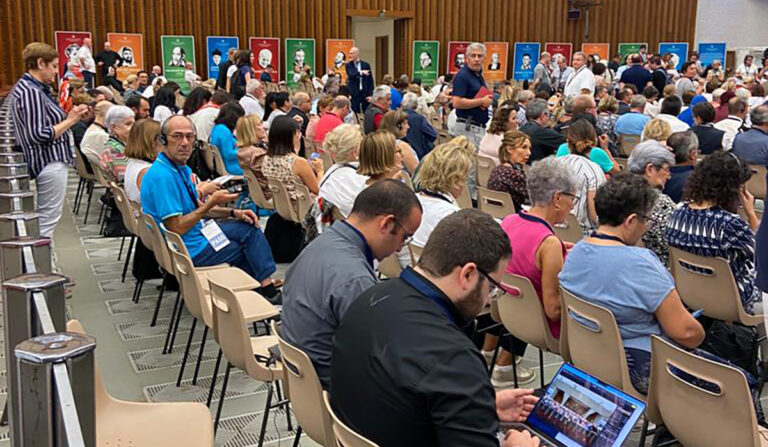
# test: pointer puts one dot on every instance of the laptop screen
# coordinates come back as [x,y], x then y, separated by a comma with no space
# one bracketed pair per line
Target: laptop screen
[578,410]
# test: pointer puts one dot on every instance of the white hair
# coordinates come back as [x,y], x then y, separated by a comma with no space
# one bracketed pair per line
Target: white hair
[116,115]
[381,92]
[649,152]
[476,46]
[410,101]
[252,85]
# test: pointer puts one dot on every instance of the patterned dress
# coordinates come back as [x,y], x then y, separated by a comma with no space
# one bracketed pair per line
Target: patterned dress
[510,179]
[113,161]
[654,238]
[280,168]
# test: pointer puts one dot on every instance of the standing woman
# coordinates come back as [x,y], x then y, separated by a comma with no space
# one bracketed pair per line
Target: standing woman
[43,131]
[509,176]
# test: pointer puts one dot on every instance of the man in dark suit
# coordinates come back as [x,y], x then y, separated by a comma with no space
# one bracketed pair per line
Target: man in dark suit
[710,139]
[544,139]
[301,105]
[359,80]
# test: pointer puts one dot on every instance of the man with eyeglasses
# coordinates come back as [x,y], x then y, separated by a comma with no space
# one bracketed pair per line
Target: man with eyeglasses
[405,370]
[544,139]
[170,195]
[332,271]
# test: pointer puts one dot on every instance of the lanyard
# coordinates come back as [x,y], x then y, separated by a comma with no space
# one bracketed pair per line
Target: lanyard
[607,237]
[184,180]
[429,291]
[437,195]
[532,218]
[366,248]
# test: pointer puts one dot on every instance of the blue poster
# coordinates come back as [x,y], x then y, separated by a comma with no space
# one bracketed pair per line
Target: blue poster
[710,52]
[679,51]
[526,59]
[217,48]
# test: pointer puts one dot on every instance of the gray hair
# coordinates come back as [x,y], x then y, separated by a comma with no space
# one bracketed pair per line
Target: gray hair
[580,53]
[526,96]
[682,144]
[559,58]
[380,92]
[547,177]
[341,101]
[476,46]
[252,85]
[759,115]
[637,102]
[535,108]
[299,98]
[116,115]
[410,101]
[544,54]
[649,152]
[717,93]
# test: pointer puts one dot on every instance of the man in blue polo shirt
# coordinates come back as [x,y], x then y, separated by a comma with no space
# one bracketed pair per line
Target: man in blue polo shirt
[636,74]
[466,85]
[169,195]
[634,121]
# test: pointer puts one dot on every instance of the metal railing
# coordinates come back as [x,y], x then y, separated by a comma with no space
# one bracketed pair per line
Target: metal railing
[50,372]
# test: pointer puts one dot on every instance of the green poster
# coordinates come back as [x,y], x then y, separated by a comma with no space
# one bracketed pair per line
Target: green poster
[299,56]
[177,51]
[426,56]
[629,48]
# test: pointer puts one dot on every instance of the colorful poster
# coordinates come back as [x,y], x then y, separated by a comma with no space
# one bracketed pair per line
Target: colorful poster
[602,50]
[710,52]
[626,49]
[177,51]
[336,54]
[216,50]
[495,63]
[67,44]
[299,56]
[526,59]
[266,53]
[564,49]
[456,56]
[131,48]
[679,51]
[426,55]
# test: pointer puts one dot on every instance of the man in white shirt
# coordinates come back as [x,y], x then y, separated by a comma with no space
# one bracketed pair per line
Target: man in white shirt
[670,108]
[282,106]
[96,135]
[254,92]
[192,78]
[734,124]
[748,69]
[582,82]
[561,74]
[203,119]
[87,64]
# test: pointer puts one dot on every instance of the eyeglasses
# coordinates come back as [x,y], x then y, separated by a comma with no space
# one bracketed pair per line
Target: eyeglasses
[407,237]
[574,197]
[648,219]
[177,137]
[495,290]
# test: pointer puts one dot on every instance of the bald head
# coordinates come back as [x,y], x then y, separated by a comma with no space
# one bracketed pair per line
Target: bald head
[354,54]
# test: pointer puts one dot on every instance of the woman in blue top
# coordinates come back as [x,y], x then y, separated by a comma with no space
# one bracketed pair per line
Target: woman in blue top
[600,155]
[223,137]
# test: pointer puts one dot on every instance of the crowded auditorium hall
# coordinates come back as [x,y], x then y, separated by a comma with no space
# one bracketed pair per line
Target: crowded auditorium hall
[361,223]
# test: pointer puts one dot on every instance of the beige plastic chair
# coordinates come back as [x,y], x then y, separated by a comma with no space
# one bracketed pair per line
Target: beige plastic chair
[218,162]
[143,424]
[464,201]
[345,436]
[282,202]
[306,393]
[627,144]
[240,349]
[497,204]
[207,152]
[327,160]
[415,253]
[405,178]
[129,220]
[255,191]
[484,166]
[570,231]
[390,266]
[756,183]
[695,416]
[714,291]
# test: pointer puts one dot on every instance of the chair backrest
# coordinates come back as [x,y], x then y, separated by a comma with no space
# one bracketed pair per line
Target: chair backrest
[282,201]
[192,290]
[694,415]
[464,200]
[101,395]
[80,166]
[405,178]
[345,436]
[390,266]
[306,392]
[205,149]
[570,231]
[627,143]
[218,162]
[327,160]
[497,204]
[100,177]
[522,313]
[158,244]
[707,283]
[756,183]
[590,340]
[124,206]
[484,166]
[415,253]
[303,201]
[255,191]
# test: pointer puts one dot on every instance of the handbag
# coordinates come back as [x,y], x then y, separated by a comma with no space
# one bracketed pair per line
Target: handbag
[733,342]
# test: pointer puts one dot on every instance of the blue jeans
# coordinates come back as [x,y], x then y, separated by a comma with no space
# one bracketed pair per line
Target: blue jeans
[88,78]
[247,250]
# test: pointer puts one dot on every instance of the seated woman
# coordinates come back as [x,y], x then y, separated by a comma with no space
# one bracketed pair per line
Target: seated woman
[322,106]
[504,119]
[141,150]
[396,122]
[379,157]
[341,184]
[223,137]
[589,175]
[113,161]
[656,129]
[252,148]
[707,223]
[607,114]
[509,176]
[600,155]
[539,253]
[652,160]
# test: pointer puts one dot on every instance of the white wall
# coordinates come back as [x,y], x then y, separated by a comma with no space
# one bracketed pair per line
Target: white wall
[365,31]
[739,23]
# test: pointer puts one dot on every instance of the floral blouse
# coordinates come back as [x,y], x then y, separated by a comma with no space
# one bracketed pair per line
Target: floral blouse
[655,238]
[510,179]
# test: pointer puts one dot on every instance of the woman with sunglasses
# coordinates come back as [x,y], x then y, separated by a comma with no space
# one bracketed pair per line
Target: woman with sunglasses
[652,160]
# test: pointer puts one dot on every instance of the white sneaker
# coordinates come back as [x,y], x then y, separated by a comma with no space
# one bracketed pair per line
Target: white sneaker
[488,357]
[504,377]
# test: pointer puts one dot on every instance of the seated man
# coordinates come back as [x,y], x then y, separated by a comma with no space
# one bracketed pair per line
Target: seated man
[169,195]
[405,370]
[752,145]
[338,266]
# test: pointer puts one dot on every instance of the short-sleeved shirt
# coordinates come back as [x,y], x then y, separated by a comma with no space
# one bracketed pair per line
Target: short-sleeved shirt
[631,123]
[636,75]
[510,179]
[466,84]
[596,155]
[167,191]
[225,141]
[752,146]
[632,288]
[589,176]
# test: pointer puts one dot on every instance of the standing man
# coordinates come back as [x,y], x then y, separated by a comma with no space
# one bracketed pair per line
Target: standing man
[471,98]
[43,131]
[636,74]
[542,74]
[107,58]
[359,80]
[562,73]
[221,80]
[582,82]
[658,74]
[87,64]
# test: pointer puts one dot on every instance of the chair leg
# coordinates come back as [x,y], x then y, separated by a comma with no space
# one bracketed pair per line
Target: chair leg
[170,323]
[286,403]
[644,432]
[159,300]
[298,436]
[221,398]
[213,379]
[186,351]
[122,244]
[541,366]
[200,355]
[265,416]
[137,290]
[175,328]
[77,195]
[128,257]
[514,368]
[88,204]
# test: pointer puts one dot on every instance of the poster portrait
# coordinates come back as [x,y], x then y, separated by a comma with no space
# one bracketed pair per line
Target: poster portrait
[602,50]
[710,52]
[495,63]
[130,47]
[67,44]
[337,56]
[266,52]
[564,49]
[177,51]
[216,50]
[456,56]
[426,55]
[299,56]
[526,59]
[625,49]
[678,50]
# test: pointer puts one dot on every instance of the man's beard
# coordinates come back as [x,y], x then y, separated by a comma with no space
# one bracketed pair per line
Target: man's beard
[472,304]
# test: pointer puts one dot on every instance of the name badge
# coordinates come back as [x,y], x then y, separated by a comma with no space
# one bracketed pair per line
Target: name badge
[215,236]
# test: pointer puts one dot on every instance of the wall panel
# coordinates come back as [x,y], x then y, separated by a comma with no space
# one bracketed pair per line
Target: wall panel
[651,21]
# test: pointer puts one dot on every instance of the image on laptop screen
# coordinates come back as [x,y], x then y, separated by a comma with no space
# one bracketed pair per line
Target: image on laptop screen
[578,410]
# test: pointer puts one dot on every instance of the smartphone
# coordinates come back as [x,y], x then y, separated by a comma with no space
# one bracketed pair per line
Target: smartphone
[314,156]
[697,313]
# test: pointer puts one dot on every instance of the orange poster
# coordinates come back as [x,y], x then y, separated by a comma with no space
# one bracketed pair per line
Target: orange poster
[130,47]
[495,63]
[337,56]
[602,50]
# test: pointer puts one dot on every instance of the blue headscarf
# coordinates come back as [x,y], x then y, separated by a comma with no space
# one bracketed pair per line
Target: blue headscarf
[687,115]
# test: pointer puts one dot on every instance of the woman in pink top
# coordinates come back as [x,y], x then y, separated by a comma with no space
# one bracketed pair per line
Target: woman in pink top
[504,119]
[538,254]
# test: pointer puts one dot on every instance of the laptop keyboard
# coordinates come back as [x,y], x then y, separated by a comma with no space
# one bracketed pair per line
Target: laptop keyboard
[503,428]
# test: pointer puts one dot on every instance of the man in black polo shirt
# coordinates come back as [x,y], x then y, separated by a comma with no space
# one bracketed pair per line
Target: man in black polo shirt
[636,74]
[467,83]
[404,369]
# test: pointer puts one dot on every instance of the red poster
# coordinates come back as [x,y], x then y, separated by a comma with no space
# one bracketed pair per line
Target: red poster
[561,48]
[456,56]
[67,44]
[266,51]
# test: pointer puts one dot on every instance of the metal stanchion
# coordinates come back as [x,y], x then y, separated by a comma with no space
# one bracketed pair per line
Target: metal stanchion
[17,201]
[19,224]
[25,254]
[9,165]
[56,383]
[14,183]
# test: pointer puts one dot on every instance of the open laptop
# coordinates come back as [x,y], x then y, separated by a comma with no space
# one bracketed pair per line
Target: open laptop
[578,410]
